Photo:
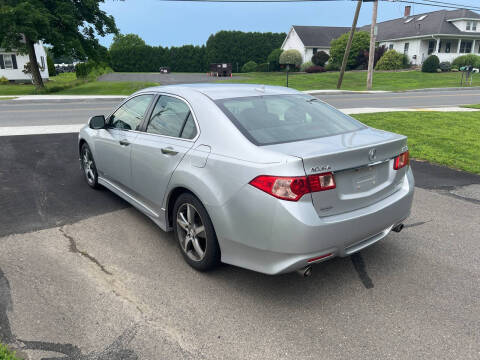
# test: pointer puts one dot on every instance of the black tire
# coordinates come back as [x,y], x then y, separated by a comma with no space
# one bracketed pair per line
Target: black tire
[206,242]
[88,167]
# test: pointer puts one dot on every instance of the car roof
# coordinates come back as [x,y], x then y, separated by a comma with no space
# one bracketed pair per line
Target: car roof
[223,91]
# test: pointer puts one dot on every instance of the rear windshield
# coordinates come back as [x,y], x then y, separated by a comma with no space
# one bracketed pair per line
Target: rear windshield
[274,119]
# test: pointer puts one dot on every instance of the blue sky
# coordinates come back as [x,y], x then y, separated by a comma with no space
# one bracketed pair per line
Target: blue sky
[177,23]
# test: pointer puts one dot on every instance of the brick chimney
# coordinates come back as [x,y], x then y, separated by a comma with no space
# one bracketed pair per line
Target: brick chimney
[408,9]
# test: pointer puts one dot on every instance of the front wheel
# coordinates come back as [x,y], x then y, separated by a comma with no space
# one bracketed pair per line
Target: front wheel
[88,166]
[195,233]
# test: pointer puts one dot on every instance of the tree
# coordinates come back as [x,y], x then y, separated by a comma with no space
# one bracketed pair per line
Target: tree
[361,42]
[250,66]
[362,58]
[237,47]
[273,59]
[320,58]
[70,26]
[291,57]
[126,42]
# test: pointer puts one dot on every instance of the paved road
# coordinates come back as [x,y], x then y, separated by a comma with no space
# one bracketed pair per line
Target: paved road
[102,282]
[52,112]
[164,79]
[414,99]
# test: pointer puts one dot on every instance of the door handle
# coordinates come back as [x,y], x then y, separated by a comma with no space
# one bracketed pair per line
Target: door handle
[169,151]
[124,142]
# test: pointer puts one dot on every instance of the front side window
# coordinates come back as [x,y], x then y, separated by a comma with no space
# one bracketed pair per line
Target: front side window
[448,46]
[390,47]
[474,26]
[431,46]
[172,117]
[469,25]
[405,48]
[131,114]
[274,119]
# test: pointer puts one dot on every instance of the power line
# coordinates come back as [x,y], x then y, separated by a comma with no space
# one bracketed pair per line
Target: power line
[447,5]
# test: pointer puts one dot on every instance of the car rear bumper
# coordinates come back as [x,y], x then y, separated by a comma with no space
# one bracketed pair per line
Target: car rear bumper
[271,236]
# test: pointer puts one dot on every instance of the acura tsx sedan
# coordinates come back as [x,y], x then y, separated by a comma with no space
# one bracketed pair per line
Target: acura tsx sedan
[265,178]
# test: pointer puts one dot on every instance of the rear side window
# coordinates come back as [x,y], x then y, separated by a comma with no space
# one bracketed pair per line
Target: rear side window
[274,119]
[172,117]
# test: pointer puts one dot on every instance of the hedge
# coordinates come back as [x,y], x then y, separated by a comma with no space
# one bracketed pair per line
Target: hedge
[470,60]
[431,65]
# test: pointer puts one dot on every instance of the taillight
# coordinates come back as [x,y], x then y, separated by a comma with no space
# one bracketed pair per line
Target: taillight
[401,161]
[293,188]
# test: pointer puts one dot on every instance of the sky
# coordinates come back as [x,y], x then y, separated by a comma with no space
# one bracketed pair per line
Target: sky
[168,23]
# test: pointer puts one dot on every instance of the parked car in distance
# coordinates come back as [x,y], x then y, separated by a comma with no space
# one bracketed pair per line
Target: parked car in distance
[265,178]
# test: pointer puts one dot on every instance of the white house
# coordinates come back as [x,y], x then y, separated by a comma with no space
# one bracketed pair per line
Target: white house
[447,34]
[13,63]
[310,39]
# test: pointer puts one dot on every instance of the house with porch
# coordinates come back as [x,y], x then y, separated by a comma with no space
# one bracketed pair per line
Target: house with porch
[445,33]
[12,64]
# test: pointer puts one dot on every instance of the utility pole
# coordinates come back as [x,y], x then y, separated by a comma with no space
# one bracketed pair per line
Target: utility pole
[349,44]
[371,53]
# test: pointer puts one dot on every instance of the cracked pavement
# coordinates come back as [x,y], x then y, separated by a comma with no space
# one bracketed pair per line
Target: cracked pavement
[83,276]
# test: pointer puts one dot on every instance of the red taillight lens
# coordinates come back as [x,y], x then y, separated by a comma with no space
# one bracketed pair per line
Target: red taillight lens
[293,188]
[401,160]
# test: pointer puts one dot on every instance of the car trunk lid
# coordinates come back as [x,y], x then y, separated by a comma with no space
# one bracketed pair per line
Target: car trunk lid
[362,164]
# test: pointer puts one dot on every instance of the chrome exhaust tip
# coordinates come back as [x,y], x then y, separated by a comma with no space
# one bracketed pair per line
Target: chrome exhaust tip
[306,271]
[398,228]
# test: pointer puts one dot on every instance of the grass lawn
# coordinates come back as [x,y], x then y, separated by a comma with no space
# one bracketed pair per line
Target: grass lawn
[6,354]
[392,81]
[69,84]
[444,138]
[472,106]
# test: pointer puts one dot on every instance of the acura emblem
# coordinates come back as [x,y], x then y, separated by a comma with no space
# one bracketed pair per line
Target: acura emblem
[372,154]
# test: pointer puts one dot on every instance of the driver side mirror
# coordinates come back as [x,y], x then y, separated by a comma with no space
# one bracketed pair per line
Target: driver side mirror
[97,122]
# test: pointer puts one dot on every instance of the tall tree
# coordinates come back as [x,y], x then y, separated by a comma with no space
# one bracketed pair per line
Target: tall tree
[70,26]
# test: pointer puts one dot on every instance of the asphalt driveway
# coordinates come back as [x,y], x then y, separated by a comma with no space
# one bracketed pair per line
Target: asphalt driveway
[85,276]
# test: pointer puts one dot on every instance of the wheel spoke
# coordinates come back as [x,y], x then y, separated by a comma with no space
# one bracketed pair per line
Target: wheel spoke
[200,231]
[186,242]
[190,214]
[197,247]
[182,221]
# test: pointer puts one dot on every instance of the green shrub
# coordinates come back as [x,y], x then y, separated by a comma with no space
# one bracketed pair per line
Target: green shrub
[306,65]
[6,354]
[274,59]
[51,66]
[466,60]
[391,60]
[320,58]
[361,43]
[291,57]
[431,64]
[81,70]
[263,67]
[3,80]
[250,66]
[332,67]
[445,66]
[91,70]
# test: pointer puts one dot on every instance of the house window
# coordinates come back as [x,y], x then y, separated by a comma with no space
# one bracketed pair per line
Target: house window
[405,48]
[431,46]
[7,60]
[466,47]
[474,25]
[390,47]
[469,25]
[42,60]
[315,51]
[448,46]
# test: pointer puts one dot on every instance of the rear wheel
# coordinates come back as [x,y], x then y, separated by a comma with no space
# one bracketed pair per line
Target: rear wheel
[88,166]
[195,234]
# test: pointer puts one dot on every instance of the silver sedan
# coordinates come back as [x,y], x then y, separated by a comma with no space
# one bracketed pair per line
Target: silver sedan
[266,178]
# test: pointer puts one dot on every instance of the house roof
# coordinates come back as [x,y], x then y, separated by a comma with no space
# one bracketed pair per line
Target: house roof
[432,23]
[319,36]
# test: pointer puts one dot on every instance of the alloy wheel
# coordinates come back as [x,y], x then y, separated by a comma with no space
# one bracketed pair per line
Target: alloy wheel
[191,232]
[88,166]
